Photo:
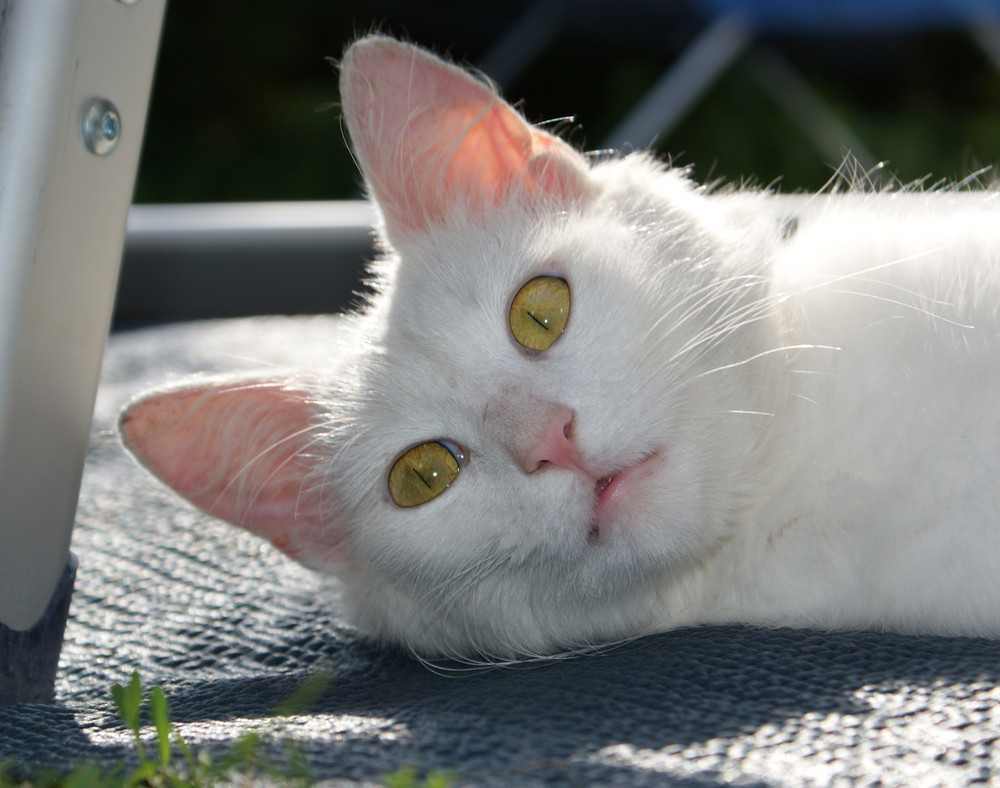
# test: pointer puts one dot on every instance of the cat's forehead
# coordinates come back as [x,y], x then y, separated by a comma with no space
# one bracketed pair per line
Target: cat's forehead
[469,259]
[441,328]
[475,266]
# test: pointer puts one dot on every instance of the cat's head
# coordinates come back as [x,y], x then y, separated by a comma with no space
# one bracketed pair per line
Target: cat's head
[533,434]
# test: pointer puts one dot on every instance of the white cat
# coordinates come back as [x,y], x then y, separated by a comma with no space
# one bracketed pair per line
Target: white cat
[592,400]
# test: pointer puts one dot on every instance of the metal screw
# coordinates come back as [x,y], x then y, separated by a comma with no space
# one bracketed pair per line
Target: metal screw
[101,126]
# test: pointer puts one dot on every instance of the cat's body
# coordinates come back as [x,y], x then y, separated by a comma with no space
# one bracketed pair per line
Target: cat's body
[880,506]
[755,409]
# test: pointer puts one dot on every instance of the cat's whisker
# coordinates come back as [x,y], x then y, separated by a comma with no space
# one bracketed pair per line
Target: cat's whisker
[762,354]
[914,307]
[701,342]
[685,380]
[452,589]
[255,361]
[705,341]
[695,303]
[923,297]
[724,297]
[895,262]
[716,330]
[818,372]
[240,478]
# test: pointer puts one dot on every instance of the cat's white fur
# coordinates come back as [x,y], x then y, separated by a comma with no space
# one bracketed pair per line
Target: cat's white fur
[809,388]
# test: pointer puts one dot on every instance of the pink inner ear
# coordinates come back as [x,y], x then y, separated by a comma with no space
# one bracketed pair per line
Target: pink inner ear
[490,149]
[240,452]
[432,140]
[556,168]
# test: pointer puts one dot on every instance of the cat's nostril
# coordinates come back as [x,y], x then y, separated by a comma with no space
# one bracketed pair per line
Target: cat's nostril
[552,444]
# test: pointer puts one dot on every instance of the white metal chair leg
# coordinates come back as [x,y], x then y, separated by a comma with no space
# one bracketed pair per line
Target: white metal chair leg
[75,78]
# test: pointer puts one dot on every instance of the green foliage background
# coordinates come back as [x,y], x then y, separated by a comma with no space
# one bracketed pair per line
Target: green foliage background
[245,106]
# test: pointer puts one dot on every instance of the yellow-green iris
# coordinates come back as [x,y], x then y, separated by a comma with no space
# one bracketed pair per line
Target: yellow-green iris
[423,473]
[539,312]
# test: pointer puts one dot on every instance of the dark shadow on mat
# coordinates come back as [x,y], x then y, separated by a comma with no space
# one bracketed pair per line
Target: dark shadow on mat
[537,724]
[533,724]
[51,733]
[683,686]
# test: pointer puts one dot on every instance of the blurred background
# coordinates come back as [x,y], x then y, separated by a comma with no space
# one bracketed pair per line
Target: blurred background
[244,106]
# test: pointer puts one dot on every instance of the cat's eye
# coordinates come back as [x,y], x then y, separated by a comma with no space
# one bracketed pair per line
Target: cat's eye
[424,472]
[539,312]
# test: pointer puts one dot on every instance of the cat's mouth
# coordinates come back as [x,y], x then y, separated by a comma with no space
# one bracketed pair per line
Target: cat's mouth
[603,484]
[610,490]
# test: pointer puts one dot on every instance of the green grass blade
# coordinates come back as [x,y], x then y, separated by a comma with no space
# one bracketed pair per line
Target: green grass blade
[128,701]
[160,714]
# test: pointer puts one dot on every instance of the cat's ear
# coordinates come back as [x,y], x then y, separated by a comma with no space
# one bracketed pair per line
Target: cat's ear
[432,140]
[242,452]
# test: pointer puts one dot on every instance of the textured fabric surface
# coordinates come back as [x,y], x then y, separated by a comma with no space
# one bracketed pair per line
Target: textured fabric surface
[230,628]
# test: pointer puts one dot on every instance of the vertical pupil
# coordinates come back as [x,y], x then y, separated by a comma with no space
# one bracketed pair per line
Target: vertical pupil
[422,473]
[539,312]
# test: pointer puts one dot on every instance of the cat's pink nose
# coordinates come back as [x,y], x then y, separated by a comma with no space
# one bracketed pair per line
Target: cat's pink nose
[552,443]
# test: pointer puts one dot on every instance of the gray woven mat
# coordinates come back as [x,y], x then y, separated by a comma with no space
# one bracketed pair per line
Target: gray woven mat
[230,629]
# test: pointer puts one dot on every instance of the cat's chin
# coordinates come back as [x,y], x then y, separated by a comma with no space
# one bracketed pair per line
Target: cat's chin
[614,493]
